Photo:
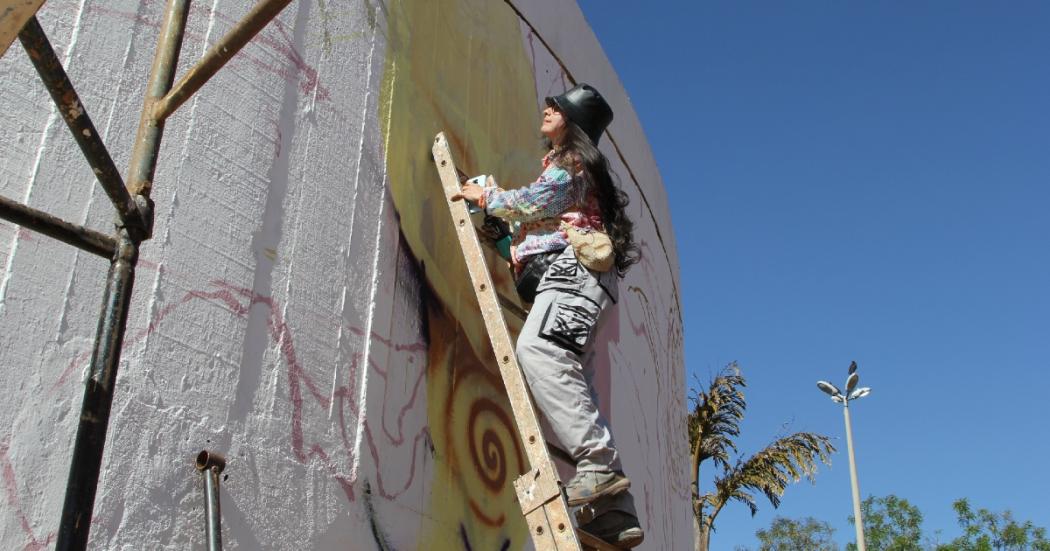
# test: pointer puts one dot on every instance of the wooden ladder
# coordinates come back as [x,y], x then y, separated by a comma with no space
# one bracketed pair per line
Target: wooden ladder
[540,489]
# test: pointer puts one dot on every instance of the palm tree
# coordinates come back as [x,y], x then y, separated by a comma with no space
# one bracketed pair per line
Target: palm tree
[713,424]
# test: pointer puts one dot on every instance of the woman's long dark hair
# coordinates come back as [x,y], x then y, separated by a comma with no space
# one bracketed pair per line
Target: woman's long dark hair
[576,152]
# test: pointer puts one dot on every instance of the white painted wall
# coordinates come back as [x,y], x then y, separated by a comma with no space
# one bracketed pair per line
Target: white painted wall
[276,315]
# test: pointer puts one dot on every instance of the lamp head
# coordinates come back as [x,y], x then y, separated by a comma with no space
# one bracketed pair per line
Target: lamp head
[860,393]
[851,382]
[828,388]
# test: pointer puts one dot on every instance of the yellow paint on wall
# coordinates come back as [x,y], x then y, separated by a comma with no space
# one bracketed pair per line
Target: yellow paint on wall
[459,66]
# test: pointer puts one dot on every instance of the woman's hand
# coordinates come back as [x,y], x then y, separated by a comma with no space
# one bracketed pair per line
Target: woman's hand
[470,192]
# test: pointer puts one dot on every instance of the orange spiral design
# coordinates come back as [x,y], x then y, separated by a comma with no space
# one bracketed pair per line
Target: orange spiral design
[488,453]
[477,438]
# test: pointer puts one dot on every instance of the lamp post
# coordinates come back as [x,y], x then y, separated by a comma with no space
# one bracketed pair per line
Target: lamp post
[852,393]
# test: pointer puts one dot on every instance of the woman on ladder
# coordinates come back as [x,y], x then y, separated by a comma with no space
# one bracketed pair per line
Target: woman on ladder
[572,242]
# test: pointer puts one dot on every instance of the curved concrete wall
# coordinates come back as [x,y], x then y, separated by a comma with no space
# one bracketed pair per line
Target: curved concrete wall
[301,307]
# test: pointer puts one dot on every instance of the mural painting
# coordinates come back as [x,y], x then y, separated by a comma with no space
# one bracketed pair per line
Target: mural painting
[304,307]
[460,67]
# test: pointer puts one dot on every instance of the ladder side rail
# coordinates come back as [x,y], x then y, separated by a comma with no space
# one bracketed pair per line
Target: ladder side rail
[13,16]
[495,325]
[539,490]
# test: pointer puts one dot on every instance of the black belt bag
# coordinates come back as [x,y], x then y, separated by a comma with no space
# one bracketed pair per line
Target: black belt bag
[531,275]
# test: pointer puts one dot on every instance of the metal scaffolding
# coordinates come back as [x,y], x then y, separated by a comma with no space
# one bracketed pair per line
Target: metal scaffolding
[132,203]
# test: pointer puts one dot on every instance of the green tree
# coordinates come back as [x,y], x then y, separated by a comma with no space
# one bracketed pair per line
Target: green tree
[984,530]
[787,534]
[890,524]
[713,424]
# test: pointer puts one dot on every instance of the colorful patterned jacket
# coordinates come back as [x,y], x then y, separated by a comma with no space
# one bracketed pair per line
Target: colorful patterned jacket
[541,207]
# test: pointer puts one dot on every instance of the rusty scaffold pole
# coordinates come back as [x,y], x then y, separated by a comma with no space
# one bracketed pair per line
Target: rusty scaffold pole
[134,213]
[134,218]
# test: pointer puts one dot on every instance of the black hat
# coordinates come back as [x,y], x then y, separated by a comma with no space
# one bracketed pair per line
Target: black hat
[586,107]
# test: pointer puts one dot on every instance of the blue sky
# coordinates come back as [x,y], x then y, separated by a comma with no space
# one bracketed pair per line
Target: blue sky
[861,181]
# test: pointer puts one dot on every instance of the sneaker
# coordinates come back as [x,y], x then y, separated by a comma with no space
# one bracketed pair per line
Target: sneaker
[588,486]
[616,528]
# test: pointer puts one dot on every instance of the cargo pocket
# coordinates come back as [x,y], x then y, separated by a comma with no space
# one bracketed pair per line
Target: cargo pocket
[570,321]
[564,273]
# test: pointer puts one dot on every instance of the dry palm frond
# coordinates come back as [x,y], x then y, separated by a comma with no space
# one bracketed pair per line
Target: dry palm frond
[715,418]
[714,422]
[770,471]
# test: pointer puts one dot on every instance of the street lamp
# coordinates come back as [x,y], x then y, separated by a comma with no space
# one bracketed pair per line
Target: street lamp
[852,393]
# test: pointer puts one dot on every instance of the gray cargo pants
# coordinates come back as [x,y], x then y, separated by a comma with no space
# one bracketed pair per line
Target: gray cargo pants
[554,350]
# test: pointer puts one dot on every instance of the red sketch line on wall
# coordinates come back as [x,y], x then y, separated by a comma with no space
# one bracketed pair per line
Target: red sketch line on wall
[273,37]
[345,482]
[11,493]
[22,233]
[238,301]
[400,438]
[422,435]
[418,347]
[288,50]
[297,377]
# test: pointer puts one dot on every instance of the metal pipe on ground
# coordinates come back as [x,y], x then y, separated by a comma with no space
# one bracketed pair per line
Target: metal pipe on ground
[52,226]
[210,465]
[218,55]
[49,67]
[98,398]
